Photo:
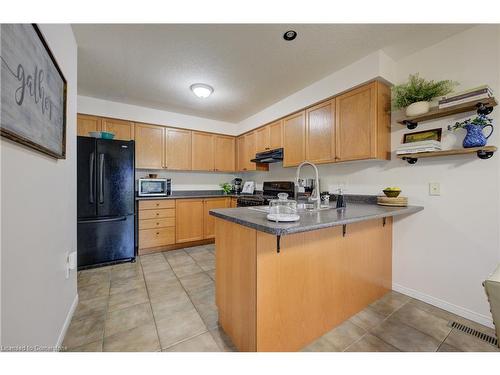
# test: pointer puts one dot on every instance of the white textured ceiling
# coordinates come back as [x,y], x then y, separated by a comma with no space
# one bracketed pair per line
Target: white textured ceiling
[250,66]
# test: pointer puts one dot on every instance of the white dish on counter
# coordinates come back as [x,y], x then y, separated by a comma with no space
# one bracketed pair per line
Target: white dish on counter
[283,217]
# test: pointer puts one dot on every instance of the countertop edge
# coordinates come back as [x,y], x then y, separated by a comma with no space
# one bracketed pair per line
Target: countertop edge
[283,231]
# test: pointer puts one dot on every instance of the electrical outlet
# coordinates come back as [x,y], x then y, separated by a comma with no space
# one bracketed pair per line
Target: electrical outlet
[434,188]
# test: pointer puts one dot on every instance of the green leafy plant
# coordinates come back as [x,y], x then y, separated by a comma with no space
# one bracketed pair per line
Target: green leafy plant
[227,187]
[418,89]
[478,120]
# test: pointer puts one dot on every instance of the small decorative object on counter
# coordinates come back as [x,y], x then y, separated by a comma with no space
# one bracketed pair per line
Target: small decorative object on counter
[227,187]
[416,94]
[325,199]
[392,201]
[392,192]
[475,136]
[283,209]
[341,203]
[152,175]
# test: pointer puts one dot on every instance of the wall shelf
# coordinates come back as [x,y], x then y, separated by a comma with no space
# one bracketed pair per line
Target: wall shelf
[482,106]
[485,152]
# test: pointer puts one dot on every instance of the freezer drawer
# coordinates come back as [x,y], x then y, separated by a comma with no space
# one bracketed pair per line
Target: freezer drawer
[105,240]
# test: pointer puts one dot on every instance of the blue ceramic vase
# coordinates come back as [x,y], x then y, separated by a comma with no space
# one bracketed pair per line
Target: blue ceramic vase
[475,136]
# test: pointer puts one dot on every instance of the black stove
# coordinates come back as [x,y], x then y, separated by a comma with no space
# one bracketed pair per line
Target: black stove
[271,189]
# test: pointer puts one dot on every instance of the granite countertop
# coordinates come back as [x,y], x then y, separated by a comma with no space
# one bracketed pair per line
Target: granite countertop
[191,194]
[309,221]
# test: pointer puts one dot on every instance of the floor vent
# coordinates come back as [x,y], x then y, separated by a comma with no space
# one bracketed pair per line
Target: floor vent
[474,332]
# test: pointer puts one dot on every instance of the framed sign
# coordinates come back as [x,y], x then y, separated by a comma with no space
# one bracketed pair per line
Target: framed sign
[33,91]
[426,135]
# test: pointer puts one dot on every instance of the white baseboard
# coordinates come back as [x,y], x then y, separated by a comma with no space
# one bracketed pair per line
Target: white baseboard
[461,311]
[65,326]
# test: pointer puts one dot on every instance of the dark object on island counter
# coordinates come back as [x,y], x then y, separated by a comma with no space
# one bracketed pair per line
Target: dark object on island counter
[152,175]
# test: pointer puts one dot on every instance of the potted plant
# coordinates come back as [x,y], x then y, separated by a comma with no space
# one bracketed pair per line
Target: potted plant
[416,94]
[475,136]
[227,187]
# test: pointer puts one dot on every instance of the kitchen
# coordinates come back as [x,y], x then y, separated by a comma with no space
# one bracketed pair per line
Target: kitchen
[291,226]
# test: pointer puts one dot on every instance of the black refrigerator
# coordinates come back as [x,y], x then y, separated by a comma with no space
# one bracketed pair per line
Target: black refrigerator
[106,201]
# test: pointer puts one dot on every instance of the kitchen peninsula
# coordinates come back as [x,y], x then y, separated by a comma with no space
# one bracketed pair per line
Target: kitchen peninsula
[279,286]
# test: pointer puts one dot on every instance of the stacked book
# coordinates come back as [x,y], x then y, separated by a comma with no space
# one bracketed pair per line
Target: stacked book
[422,146]
[478,93]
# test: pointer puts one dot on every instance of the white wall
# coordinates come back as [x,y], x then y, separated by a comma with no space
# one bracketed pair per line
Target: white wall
[442,254]
[130,112]
[38,199]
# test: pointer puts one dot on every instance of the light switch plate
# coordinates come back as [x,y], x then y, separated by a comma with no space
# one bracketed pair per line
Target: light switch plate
[434,188]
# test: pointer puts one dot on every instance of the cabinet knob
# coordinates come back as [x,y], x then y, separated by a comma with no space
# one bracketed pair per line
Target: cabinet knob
[157,214]
[157,233]
[157,223]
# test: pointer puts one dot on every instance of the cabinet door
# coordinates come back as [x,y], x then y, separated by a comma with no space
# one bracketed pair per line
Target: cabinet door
[249,151]
[86,124]
[188,220]
[123,130]
[262,139]
[276,135]
[149,146]
[294,129]
[241,153]
[203,152]
[356,121]
[320,132]
[209,221]
[178,149]
[224,153]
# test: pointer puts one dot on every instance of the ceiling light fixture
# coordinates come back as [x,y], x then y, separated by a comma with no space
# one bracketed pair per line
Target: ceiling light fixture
[290,35]
[201,90]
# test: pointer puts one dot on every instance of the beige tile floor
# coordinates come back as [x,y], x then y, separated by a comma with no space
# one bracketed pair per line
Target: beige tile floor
[165,301]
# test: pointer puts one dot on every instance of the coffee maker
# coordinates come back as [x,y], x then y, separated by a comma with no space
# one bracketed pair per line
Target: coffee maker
[237,185]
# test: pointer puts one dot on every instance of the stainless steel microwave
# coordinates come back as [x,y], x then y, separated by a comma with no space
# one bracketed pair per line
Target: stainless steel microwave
[154,187]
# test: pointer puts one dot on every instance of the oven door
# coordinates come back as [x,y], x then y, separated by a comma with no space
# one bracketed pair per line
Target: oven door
[153,187]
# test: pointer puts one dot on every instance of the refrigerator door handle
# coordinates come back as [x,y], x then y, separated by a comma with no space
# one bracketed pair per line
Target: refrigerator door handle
[101,178]
[121,218]
[91,183]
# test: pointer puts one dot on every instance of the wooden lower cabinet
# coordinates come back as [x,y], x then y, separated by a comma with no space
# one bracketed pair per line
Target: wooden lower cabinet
[156,237]
[209,221]
[282,302]
[166,224]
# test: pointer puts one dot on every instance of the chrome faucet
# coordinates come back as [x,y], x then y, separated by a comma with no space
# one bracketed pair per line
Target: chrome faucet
[315,195]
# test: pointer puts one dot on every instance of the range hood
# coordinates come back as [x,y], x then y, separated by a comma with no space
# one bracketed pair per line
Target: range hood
[271,156]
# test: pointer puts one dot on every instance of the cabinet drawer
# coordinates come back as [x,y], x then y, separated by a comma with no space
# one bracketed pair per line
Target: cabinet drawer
[156,204]
[157,223]
[157,214]
[156,237]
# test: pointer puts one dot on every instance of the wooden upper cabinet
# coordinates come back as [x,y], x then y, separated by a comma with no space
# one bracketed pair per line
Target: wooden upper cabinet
[276,135]
[225,153]
[240,153]
[149,146]
[250,151]
[188,220]
[178,149]
[320,132]
[203,152]
[86,124]
[262,139]
[123,130]
[356,123]
[209,221]
[294,128]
